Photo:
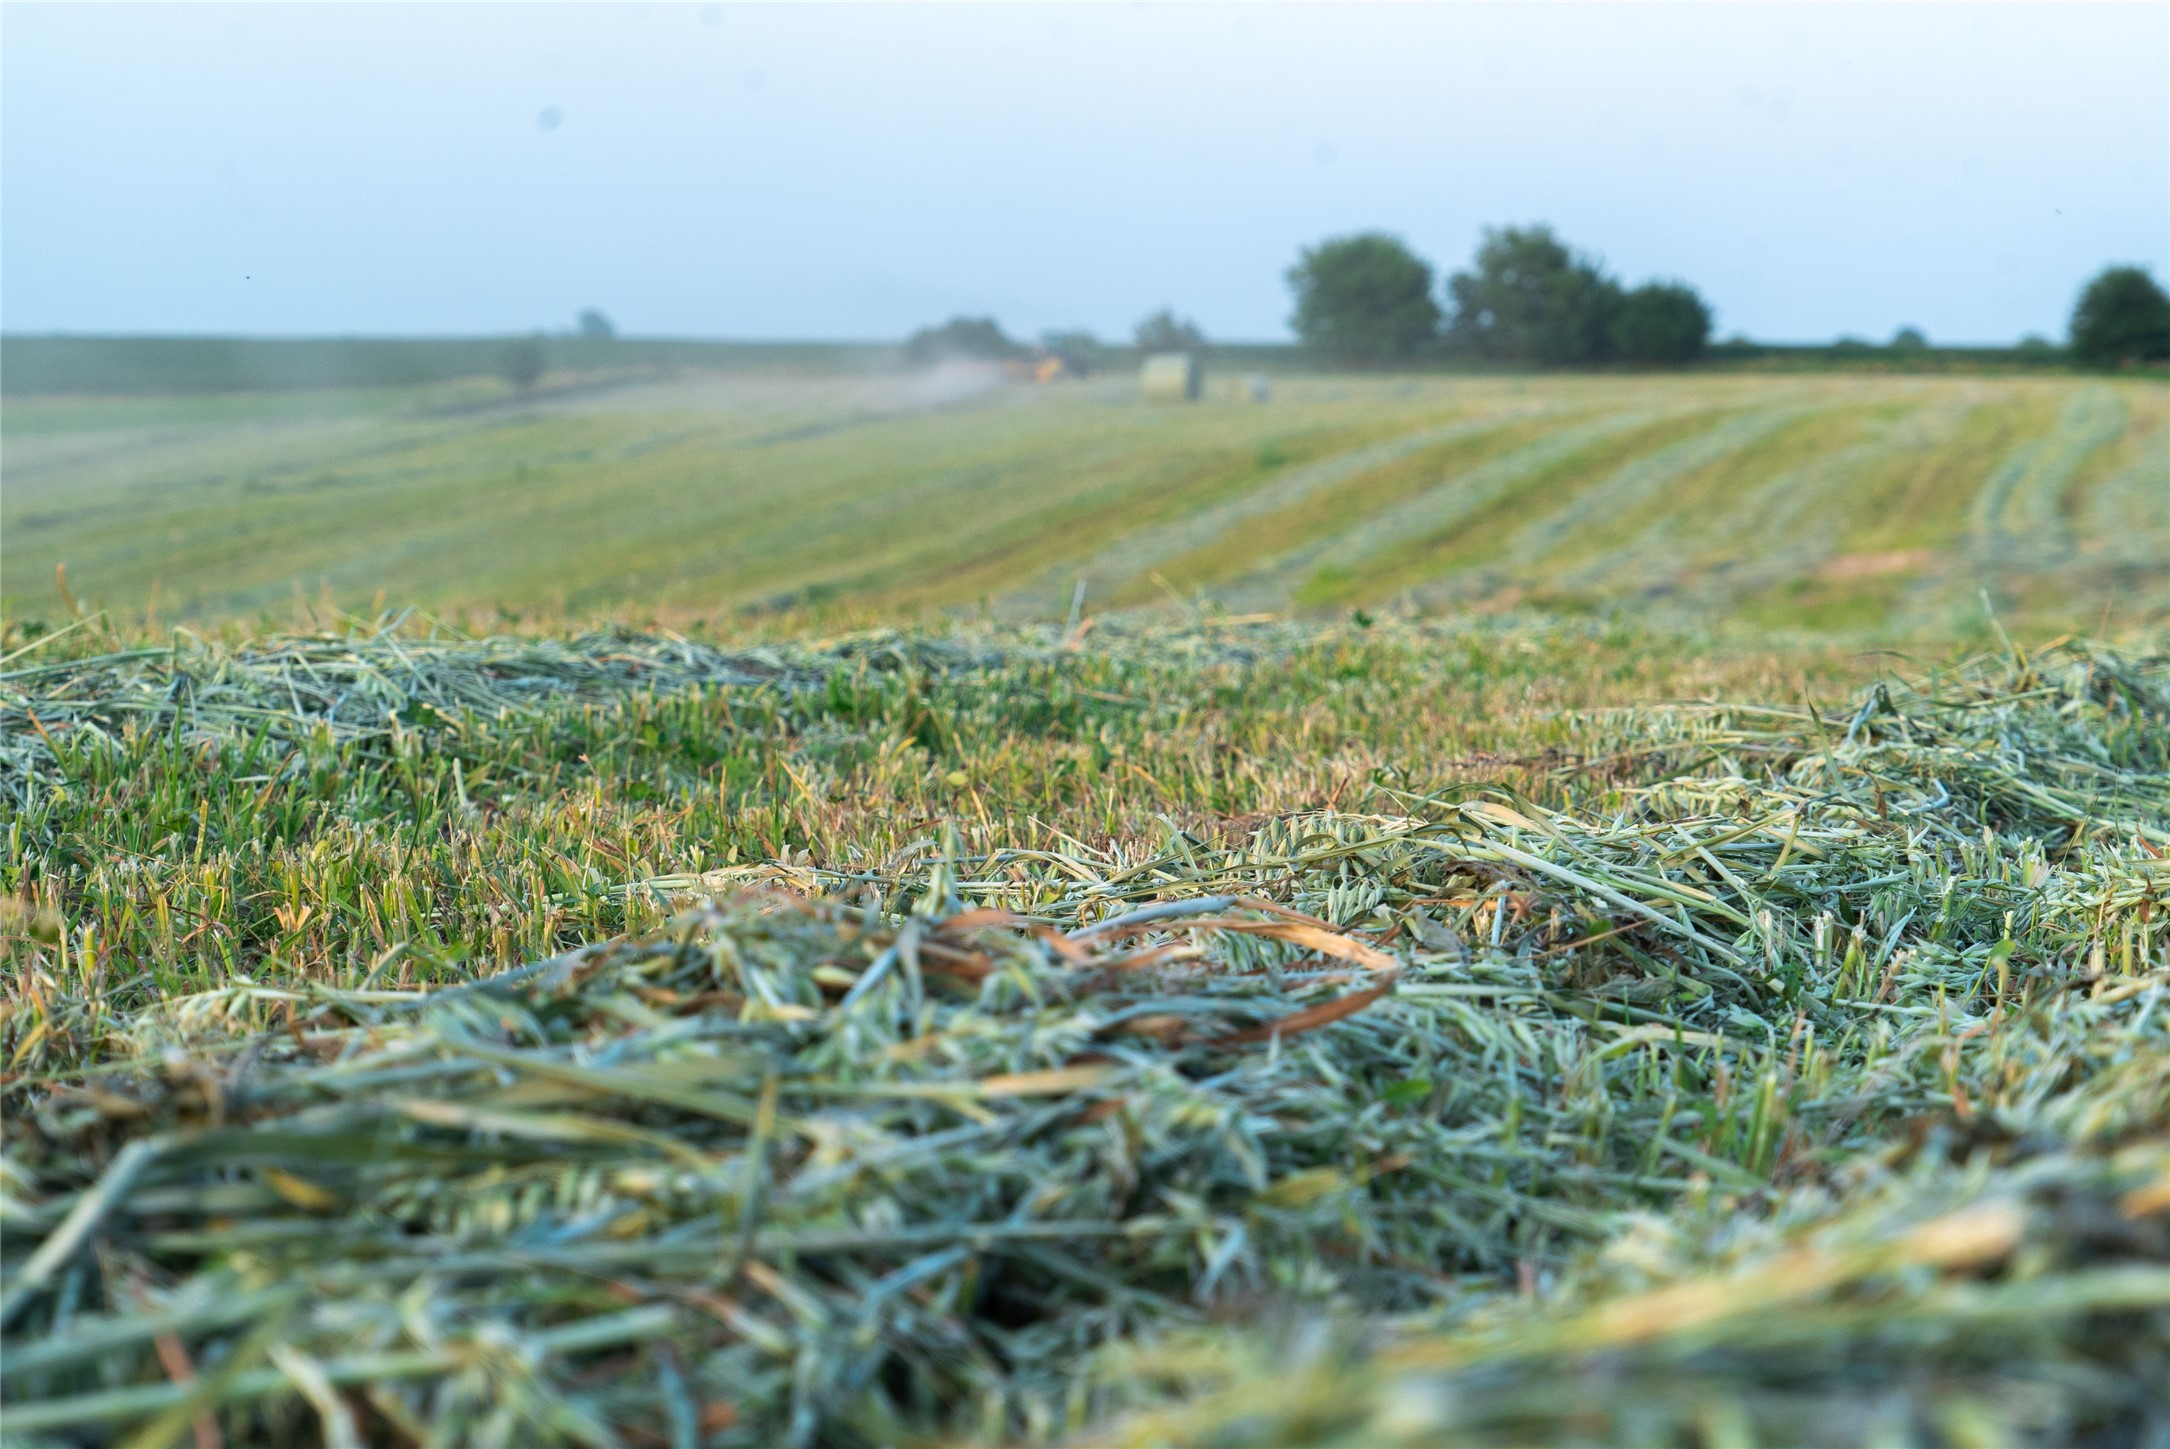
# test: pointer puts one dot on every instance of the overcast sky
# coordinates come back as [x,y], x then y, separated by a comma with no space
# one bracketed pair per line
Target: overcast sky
[833,171]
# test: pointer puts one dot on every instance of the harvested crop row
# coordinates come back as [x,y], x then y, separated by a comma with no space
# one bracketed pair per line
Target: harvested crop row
[915,1155]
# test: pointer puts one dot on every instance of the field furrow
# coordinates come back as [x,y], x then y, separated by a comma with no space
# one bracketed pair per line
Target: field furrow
[1116,567]
[1745,522]
[1343,554]
[2127,512]
[2018,517]
[1872,502]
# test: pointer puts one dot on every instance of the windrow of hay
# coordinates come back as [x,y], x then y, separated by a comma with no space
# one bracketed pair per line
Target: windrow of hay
[1835,1056]
[377,683]
[1909,1299]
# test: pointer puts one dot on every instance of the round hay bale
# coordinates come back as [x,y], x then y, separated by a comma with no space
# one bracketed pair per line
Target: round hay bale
[1172,377]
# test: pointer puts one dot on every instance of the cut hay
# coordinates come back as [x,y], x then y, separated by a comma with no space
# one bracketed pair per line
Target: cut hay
[1817,1087]
[381,682]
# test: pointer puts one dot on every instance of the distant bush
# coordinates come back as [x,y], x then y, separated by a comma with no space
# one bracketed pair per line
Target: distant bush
[1909,339]
[2122,316]
[521,363]
[1660,324]
[595,327]
[2038,351]
[1531,300]
[1364,298]
[1166,332]
[972,339]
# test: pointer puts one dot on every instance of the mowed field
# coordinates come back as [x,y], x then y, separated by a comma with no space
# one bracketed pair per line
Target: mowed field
[1639,1005]
[1857,503]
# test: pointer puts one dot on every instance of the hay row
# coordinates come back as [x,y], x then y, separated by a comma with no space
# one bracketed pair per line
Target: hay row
[810,1171]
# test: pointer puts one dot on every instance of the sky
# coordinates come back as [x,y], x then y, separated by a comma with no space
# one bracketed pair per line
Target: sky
[833,171]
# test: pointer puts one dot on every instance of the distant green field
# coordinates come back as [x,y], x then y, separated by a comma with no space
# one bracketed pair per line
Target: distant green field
[1870,503]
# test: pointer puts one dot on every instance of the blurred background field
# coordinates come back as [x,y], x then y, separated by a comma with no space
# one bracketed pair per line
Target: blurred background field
[1862,503]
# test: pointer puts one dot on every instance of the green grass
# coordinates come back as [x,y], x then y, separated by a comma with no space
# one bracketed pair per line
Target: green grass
[885,494]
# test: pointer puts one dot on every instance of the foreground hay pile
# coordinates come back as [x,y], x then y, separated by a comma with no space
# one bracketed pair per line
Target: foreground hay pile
[1813,1088]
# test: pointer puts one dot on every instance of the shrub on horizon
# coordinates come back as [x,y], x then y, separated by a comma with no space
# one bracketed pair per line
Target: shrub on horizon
[1529,299]
[974,339]
[1661,324]
[2123,316]
[1166,332]
[1365,299]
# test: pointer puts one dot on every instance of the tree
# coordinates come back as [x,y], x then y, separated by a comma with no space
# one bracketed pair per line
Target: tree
[1660,324]
[2036,351]
[595,327]
[1363,298]
[1909,339]
[1531,300]
[2122,317]
[1166,332]
[521,363]
[975,339]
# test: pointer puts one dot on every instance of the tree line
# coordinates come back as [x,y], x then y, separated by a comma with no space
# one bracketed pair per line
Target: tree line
[1528,299]
[981,339]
